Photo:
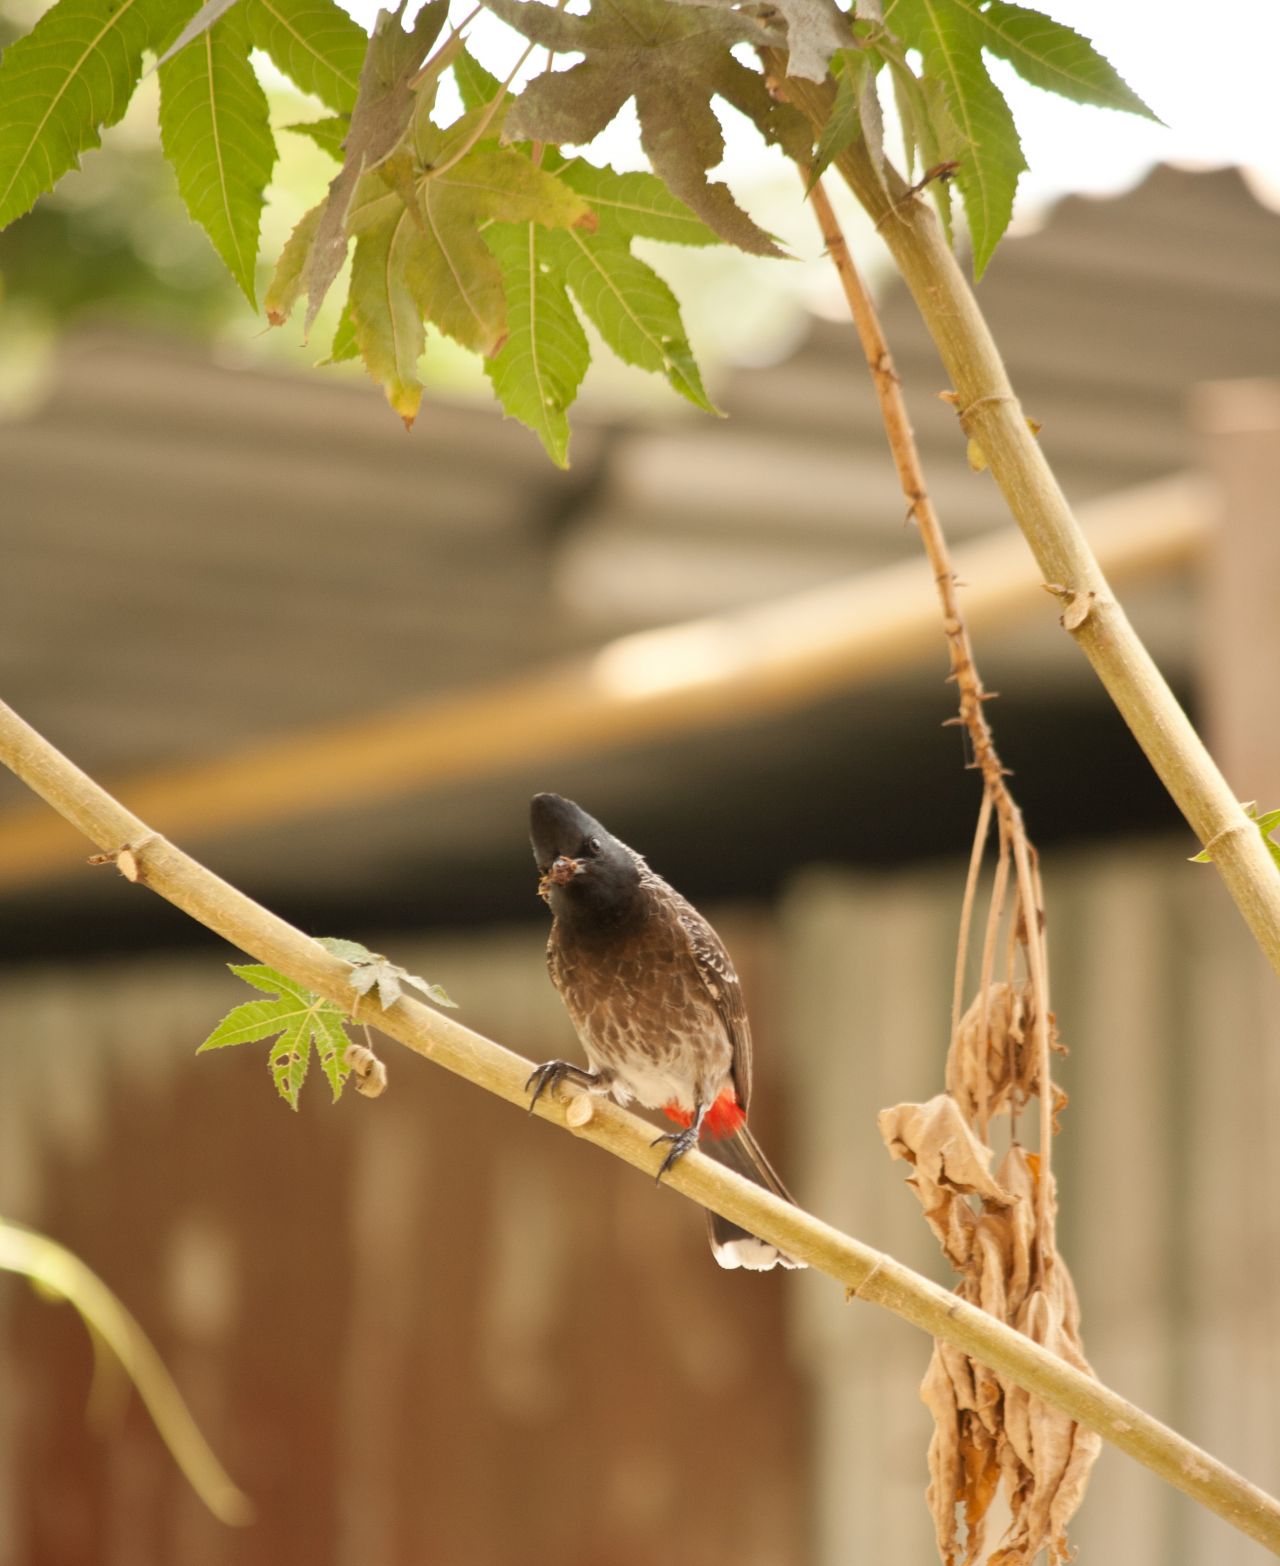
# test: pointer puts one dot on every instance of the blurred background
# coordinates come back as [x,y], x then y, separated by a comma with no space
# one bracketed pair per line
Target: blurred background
[334,660]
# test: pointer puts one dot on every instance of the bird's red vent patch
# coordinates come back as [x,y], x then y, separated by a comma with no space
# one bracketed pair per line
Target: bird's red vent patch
[725,1117]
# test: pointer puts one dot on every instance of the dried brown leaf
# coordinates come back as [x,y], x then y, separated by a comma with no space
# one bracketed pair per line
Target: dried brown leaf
[987,1429]
[997,1041]
[951,1164]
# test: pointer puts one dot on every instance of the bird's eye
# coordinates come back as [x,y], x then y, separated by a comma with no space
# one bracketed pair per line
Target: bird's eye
[593,845]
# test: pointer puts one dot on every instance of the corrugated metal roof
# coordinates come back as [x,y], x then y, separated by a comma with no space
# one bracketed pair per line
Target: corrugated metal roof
[197,555]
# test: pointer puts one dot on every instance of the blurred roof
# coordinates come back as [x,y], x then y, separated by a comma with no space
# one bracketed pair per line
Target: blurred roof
[200,555]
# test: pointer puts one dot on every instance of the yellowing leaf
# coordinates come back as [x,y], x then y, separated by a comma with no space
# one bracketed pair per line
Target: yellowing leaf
[386,317]
[286,282]
[379,119]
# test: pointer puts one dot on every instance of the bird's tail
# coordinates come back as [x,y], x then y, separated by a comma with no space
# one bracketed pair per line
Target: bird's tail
[731,1245]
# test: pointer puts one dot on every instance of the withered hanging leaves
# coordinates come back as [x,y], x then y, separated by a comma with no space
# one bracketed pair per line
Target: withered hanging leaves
[950,1164]
[992,1062]
[987,1429]
[672,59]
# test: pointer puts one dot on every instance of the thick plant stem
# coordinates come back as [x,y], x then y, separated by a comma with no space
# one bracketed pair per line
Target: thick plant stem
[151,861]
[992,416]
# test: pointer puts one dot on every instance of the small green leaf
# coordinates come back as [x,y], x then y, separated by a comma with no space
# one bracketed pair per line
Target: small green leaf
[328,134]
[370,969]
[1050,55]
[302,1021]
[1266,824]
[340,946]
[215,130]
[538,372]
[631,307]
[72,74]
[315,43]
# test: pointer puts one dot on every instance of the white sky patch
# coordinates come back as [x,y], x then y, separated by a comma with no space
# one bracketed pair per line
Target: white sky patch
[1217,100]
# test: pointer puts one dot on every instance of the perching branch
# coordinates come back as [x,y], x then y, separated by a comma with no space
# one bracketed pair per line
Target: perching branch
[992,416]
[865,1272]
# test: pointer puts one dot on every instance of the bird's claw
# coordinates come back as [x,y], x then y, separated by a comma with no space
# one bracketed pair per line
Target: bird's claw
[549,1074]
[681,1142]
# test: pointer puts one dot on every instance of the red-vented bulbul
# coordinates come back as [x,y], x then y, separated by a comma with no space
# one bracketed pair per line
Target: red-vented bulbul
[655,1001]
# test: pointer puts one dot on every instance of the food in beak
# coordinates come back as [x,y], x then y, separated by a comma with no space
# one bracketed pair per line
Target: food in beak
[562,871]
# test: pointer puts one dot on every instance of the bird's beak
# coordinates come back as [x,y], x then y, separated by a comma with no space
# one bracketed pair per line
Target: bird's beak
[562,871]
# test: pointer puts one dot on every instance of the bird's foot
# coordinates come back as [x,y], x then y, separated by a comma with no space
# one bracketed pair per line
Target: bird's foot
[681,1142]
[552,1072]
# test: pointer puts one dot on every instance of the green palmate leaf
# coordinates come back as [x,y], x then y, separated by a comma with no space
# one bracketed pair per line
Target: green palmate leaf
[440,255]
[72,74]
[672,60]
[286,282]
[214,127]
[635,205]
[314,42]
[385,316]
[631,307]
[475,85]
[300,1019]
[538,372]
[201,22]
[1051,55]
[328,135]
[950,38]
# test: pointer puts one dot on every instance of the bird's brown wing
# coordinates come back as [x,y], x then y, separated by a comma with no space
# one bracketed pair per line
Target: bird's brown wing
[715,969]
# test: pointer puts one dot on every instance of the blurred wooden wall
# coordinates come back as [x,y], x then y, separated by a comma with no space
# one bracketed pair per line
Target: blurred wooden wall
[423,1329]
[428,1329]
[1169,1170]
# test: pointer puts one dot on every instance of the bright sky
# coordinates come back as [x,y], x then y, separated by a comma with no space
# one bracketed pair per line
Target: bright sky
[1165,49]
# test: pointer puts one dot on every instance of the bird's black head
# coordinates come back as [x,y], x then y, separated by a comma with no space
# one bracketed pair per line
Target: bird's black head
[587,875]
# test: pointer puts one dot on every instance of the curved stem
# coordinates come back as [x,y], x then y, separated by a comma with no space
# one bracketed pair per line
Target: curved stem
[61,1272]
